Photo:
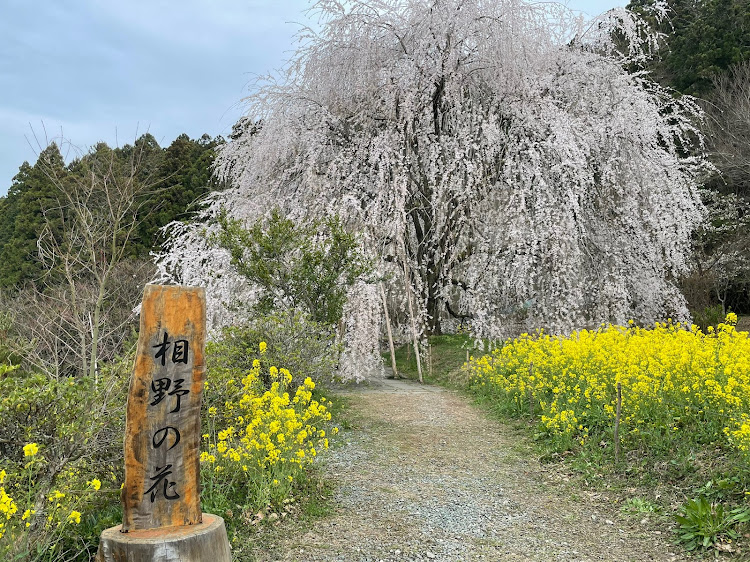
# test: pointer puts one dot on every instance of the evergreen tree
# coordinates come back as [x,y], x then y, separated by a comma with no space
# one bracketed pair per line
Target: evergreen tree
[179,175]
[183,177]
[702,39]
[32,196]
[150,154]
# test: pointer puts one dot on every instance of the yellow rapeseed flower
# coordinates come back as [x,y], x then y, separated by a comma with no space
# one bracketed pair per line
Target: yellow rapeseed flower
[7,505]
[671,376]
[30,449]
[277,428]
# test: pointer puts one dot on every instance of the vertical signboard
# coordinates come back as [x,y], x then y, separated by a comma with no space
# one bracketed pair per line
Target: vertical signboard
[162,435]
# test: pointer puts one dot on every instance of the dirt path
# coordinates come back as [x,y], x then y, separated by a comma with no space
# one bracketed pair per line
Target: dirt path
[427,476]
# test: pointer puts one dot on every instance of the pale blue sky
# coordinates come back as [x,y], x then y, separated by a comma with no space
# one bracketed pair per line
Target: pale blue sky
[93,70]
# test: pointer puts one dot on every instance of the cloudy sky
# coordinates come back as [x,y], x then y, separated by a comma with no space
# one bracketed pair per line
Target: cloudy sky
[91,70]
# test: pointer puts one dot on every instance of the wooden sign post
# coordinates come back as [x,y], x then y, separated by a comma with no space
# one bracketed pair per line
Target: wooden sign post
[161,495]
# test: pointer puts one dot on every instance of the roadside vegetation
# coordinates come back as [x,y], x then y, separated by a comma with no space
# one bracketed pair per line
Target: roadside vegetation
[62,463]
[660,414]
[265,419]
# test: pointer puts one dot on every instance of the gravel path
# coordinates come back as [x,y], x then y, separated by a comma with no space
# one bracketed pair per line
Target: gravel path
[426,476]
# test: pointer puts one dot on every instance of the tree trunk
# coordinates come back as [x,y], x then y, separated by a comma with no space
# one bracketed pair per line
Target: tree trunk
[95,328]
[407,284]
[204,542]
[434,308]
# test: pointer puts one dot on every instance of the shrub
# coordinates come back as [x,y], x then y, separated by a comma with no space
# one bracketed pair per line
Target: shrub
[58,520]
[304,347]
[307,267]
[709,316]
[261,434]
[60,462]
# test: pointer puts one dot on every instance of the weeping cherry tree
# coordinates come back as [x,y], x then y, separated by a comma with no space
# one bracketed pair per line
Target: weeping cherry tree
[494,155]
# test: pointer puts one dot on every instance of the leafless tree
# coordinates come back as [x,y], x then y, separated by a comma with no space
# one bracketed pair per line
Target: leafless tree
[723,242]
[729,127]
[78,314]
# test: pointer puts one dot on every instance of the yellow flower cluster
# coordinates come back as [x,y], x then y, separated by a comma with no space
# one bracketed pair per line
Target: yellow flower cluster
[674,379]
[261,427]
[62,507]
[7,506]
[30,450]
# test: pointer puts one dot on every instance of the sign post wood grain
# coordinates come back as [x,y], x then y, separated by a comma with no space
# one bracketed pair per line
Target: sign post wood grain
[162,435]
[162,517]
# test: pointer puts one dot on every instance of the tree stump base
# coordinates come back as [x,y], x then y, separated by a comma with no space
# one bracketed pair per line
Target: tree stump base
[204,542]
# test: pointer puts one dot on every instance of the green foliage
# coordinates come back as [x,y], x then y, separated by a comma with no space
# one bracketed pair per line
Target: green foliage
[703,39]
[638,506]
[304,347]
[180,175]
[704,524]
[720,487]
[709,37]
[262,433]
[299,267]
[709,316]
[30,204]
[60,462]
[69,418]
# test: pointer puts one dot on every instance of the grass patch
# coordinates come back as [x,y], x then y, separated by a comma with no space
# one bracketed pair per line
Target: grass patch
[260,535]
[639,506]
[445,355]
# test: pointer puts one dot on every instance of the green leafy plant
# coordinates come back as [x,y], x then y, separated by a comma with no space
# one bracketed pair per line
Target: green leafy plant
[709,316]
[44,520]
[704,524]
[718,488]
[60,461]
[638,506]
[306,267]
[263,432]
[305,347]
